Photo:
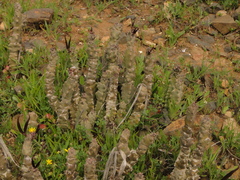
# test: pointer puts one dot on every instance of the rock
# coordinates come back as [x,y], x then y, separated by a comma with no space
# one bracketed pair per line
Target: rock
[205,43]
[189,2]
[225,84]
[237,44]
[236,14]
[127,22]
[18,89]
[228,49]
[206,21]
[232,124]
[228,114]
[212,31]
[3,26]
[221,13]
[149,43]
[176,126]
[148,31]
[29,46]
[230,37]
[197,54]
[224,24]
[210,107]
[105,39]
[139,22]
[207,38]
[222,63]
[160,41]
[132,17]
[36,17]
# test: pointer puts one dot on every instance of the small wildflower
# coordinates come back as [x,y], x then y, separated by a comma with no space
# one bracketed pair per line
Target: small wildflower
[66,150]
[49,116]
[32,130]
[58,152]
[49,161]
[6,69]
[42,126]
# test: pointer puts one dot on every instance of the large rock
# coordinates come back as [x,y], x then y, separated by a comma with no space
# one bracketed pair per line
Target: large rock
[206,21]
[204,41]
[38,16]
[224,24]
[236,14]
[176,126]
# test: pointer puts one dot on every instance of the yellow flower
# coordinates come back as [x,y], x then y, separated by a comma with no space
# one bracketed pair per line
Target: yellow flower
[66,150]
[32,130]
[49,161]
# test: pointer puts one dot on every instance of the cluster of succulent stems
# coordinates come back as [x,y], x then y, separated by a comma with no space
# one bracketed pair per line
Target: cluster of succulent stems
[100,99]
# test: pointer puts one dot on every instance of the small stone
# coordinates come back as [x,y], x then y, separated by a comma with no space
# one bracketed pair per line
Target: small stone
[105,39]
[196,41]
[160,41]
[228,114]
[85,16]
[226,92]
[149,43]
[18,89]
[224,24]
[225,83]
[212,31]
[189,2]
[175,127]
[148,31]
[230,37]
[128,22]
[221,13]
[3,26]
[207,38]
[132,17]
[206,21]
[210,107]
[197,53]
[232,125]
[29,46]
[228,49]
[236,14]
[36,17]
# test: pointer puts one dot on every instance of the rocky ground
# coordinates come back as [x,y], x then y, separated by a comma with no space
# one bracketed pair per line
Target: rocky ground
[207,34]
